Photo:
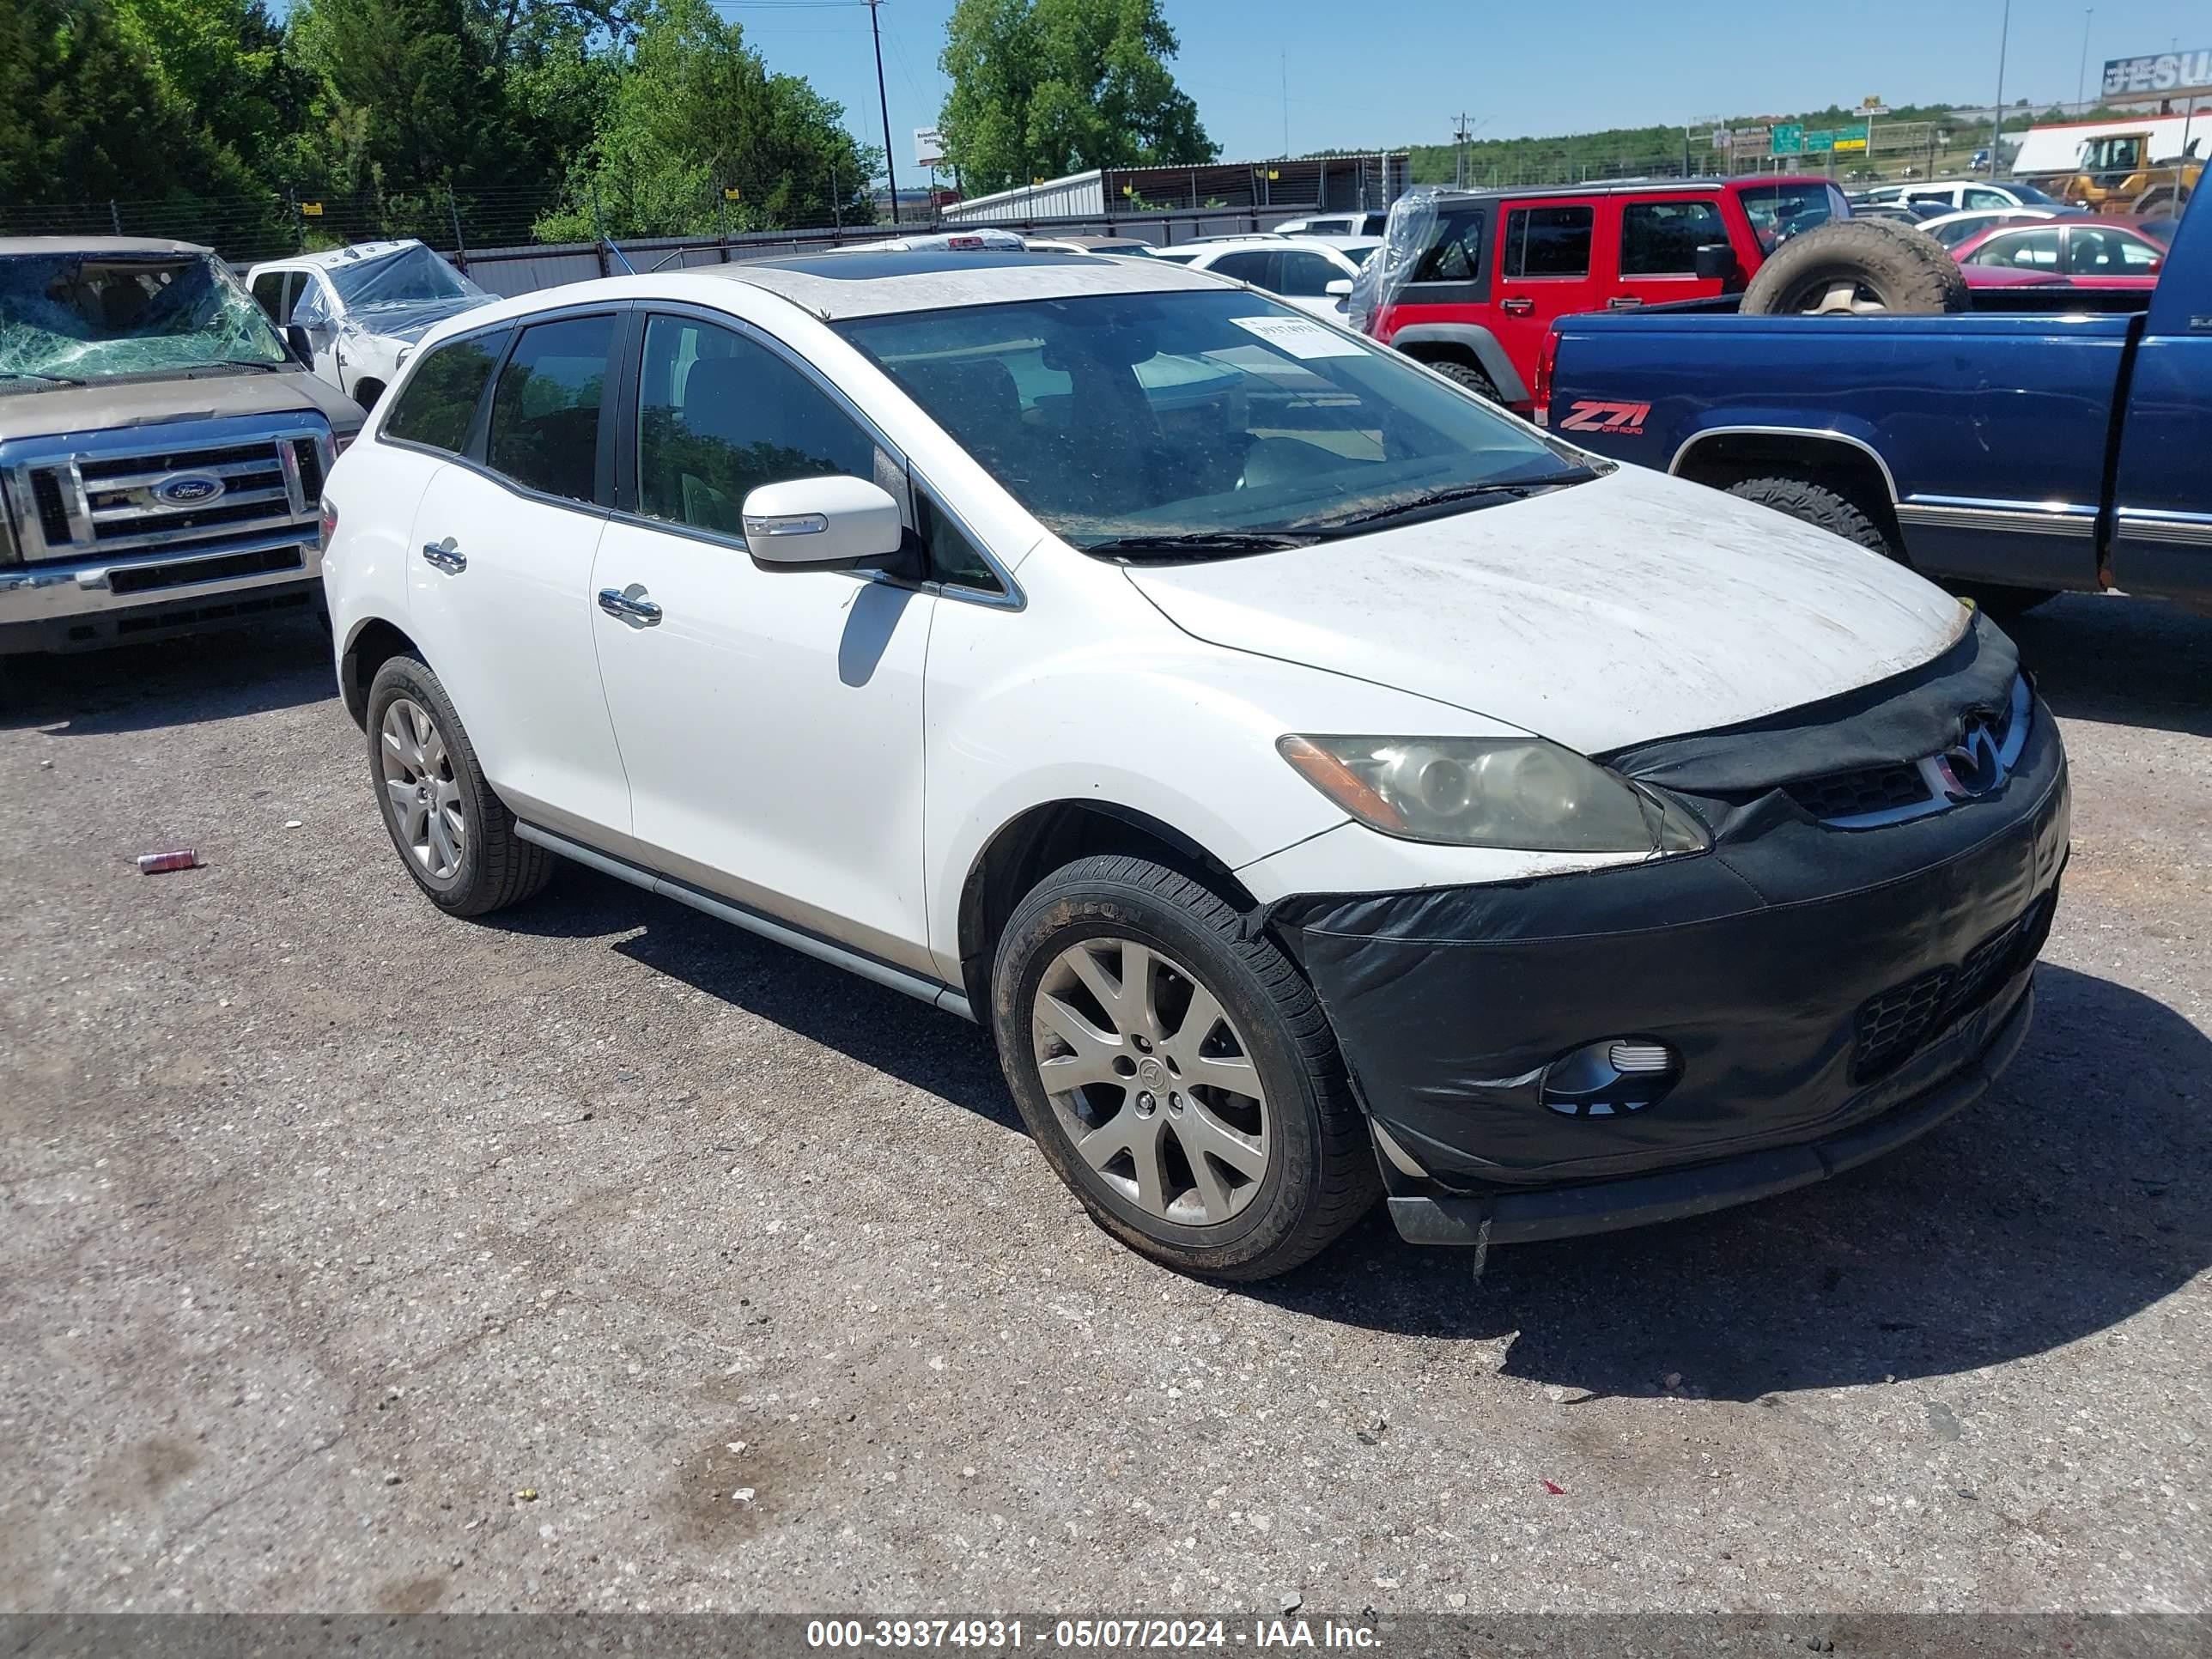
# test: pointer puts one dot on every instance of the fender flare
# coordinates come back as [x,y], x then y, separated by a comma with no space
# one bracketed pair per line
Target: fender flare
[1480,341]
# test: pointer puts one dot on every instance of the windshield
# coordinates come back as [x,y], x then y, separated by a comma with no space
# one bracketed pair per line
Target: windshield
[1221,419]
[79,317]
[1780,211]
[413,275]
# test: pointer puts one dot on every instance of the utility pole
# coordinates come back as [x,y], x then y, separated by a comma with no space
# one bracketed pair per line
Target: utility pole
[884,103]
[1996,115]
[2081,74]
[1284,65]
[1460,134]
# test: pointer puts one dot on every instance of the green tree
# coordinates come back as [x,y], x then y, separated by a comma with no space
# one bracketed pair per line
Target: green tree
[1042,88]
[695,113]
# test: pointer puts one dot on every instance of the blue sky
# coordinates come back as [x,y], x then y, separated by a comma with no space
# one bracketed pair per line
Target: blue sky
[1371,77]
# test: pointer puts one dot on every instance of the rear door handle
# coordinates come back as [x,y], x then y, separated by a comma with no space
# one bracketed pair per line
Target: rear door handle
[629,605]
[445,557]
[1516,307]
[1623,302]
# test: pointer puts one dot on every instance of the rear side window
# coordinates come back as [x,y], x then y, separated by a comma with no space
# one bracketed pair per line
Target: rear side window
[719,415]
[1548,241]
[438,405]
[1456,255]
[952,557]
[545,414]
[1662,239]
[1243,267]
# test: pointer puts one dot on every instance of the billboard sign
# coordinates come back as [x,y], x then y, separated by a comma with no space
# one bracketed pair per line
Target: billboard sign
[928,148]
[2157,72]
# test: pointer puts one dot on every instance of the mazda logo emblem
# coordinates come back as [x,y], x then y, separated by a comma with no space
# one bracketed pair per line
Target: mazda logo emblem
[1972,765]
[188,488]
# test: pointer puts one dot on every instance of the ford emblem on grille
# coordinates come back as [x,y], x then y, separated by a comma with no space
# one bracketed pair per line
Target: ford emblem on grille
[188,488]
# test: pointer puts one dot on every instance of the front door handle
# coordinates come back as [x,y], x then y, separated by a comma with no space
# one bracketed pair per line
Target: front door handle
[629,605]
[1516,307]
[445,557]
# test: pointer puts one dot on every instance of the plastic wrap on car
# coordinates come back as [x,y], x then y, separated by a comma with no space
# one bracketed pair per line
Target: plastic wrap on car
[1406,238]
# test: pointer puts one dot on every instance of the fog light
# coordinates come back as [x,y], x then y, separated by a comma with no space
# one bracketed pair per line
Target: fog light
[1611,1078]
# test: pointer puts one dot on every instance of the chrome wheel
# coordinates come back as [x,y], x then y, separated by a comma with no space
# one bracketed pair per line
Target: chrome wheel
[1153,1085]
[1839,296]
[421,789]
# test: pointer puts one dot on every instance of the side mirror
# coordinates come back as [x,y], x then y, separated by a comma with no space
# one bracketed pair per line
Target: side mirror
[834,523]
[295,335]
[1339,289]
[1716,263]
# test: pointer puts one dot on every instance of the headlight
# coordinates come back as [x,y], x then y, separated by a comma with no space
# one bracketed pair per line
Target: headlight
[1520,792]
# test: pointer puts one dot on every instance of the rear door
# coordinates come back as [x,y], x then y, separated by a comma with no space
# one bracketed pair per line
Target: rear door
[1302,277]
[1546,257]
[1656,250]
[2162,532]
[500,571]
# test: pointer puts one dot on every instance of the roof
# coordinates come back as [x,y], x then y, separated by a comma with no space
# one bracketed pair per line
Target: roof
[95,244]
[867,283]
[342,255]
[1632,186]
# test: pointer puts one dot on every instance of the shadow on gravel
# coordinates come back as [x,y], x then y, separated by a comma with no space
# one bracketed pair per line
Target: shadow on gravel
[180,682]
[2067,1200]
[933,1051]
[2126,662]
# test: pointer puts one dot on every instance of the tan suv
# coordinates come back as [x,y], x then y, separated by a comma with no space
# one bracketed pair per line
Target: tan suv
[161,451]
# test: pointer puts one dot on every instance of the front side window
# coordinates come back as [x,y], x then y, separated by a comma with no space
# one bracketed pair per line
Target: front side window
[1130,423]
[1662,239]
[269,292]
[719,415]
[1456,254]
[1307,275]
[2023,250]
[438,405]
[545,409]
[1548,241]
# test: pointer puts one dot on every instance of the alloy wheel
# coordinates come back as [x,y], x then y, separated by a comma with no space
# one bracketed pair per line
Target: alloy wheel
[1152,1083]
[424,795]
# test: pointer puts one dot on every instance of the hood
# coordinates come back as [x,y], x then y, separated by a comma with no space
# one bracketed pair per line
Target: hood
[1634,607]
[104,407]
[408,320]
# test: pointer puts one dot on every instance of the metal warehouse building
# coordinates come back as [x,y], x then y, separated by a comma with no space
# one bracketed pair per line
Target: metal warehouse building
[1323,184]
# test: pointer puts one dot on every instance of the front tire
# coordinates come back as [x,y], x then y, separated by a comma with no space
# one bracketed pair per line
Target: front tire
[455,836]
[1816,504]
[1180,1078]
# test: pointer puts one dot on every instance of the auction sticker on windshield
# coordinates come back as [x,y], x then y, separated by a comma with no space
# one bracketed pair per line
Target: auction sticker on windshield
[1299,337]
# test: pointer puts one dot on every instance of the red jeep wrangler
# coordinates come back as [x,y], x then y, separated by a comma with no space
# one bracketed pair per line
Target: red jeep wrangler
[1502,264]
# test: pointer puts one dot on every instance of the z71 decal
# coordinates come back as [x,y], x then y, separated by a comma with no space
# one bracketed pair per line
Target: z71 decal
[1589,416]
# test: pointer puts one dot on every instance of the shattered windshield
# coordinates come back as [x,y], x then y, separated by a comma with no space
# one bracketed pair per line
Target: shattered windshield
[413,275]
[72,316]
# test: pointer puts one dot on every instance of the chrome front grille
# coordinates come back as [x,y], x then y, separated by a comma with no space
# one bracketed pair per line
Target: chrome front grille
[141,489]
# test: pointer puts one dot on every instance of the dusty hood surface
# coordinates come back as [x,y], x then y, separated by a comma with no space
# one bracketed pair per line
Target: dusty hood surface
[105,406]
[1634,607]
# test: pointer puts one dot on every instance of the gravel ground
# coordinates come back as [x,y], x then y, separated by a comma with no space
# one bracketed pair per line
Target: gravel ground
[603,1257]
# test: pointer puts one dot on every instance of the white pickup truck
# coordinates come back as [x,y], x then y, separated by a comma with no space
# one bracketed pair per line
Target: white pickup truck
[356,313]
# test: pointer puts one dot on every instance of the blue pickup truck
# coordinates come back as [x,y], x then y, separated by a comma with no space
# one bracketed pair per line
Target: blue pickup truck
[2046,440]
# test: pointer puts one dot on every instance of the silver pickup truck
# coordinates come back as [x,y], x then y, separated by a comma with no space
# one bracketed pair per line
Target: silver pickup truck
[161,451]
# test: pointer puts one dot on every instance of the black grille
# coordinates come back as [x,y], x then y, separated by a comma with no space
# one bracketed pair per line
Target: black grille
[225,566]
[1898,1024]
[53,517]
[179,460]
[1870,789]
[309,454]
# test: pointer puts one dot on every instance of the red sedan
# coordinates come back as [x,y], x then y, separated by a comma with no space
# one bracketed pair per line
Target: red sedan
[2109,253]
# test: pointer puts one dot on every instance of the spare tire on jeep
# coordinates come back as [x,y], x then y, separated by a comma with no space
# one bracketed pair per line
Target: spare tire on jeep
[1851,267]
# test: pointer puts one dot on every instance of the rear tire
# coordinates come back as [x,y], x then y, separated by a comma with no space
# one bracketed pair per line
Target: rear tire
[1816,504]
[1468,376]
[1851,265]
[1295,1165]
[453,834]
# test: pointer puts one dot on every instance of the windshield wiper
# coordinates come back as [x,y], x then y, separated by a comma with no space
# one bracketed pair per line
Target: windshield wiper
[1507,489]
[1199,543]
[33,374]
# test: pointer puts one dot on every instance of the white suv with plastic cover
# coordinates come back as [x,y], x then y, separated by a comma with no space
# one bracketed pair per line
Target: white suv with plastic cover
[1320,783]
